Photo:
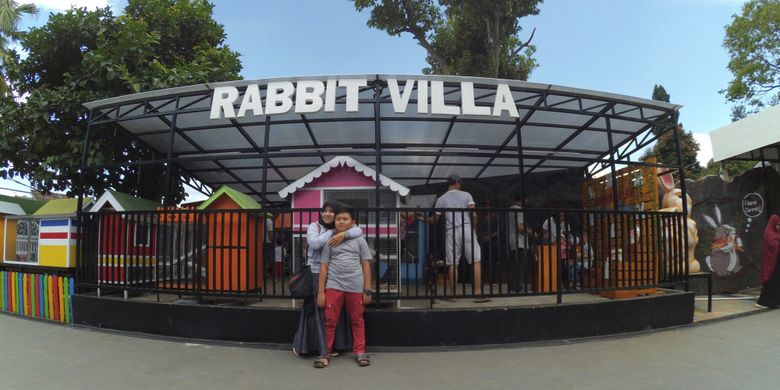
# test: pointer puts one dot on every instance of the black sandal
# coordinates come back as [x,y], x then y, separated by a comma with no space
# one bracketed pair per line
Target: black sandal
[363,360]
[321,362]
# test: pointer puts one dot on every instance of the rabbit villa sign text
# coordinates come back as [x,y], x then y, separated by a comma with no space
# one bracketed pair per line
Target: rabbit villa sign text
[311,96]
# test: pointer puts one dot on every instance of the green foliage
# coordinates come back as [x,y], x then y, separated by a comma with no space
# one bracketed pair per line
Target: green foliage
[738,112]
[753,42]
[461,37]
[732,168]
[80,56]
[665,149]
[11,13]
[659,93]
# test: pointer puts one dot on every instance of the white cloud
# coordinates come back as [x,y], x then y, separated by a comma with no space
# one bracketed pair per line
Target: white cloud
[705,148]
[66,4]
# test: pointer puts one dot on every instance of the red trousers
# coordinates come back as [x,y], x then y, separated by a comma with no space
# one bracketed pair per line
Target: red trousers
[334,300]
[278,268]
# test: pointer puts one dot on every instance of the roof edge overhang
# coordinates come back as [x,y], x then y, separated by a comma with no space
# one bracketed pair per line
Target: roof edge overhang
[749,134]
[340,161]
[106,197]
[445,78]
[8,208]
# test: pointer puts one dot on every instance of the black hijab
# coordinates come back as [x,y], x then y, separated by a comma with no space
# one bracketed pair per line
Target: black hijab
[321,222]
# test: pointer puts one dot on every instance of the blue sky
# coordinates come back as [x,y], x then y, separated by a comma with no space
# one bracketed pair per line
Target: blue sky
[618,46]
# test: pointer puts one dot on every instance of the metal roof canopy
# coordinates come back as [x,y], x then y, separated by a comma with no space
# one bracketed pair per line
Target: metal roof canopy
[560,128]
[754,138]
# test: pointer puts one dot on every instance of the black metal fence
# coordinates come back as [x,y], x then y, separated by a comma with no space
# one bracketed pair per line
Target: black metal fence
[417,253]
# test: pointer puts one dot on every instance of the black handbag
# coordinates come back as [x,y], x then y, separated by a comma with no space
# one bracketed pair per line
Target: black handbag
[301,285]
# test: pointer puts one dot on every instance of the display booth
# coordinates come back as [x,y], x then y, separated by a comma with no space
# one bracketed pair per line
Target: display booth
[127,244]
[348,181]
[234,244]
[20,235]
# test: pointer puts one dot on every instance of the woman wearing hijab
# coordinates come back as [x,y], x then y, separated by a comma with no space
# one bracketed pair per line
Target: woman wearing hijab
[770,275]
[310,336]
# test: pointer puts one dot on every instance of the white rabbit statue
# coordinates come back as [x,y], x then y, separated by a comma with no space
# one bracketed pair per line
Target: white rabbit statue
[672,202]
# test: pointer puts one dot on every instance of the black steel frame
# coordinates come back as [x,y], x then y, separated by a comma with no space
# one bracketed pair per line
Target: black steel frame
[530,159]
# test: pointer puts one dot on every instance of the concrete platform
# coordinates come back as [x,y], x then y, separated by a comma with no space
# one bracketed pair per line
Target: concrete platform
[409,323]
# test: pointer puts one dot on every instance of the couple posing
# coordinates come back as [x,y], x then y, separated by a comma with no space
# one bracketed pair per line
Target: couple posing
[340,263]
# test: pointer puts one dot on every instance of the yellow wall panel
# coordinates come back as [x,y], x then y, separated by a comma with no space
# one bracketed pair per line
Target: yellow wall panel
[53,256]
[10,240]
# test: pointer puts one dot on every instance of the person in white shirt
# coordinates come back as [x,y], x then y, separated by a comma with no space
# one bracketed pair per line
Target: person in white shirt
[278,258]
[460,237]
[558,232]
[518,244]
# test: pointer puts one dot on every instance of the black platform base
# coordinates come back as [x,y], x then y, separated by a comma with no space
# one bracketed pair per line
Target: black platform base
[390,327]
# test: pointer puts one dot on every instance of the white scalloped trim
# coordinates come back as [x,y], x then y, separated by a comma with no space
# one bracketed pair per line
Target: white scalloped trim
[340,161]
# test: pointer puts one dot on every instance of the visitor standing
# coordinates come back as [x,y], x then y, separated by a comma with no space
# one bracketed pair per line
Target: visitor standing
[310,336]
[459,236]
[518,245]
[345,281]
[770,275]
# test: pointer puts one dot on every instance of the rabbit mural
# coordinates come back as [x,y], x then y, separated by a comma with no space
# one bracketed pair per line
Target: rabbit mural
[672,202]
[723,258]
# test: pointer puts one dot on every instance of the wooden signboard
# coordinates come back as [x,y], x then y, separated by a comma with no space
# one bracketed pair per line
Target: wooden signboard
[623,244]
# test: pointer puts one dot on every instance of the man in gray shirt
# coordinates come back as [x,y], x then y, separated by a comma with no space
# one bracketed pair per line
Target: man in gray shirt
[460,237]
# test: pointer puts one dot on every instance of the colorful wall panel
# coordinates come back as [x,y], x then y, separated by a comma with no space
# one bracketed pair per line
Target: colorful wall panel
[37,295]
[57,243]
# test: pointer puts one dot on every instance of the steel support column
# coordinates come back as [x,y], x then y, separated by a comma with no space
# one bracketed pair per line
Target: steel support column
[80,202]
[264,185]
[378,188]
[521,160]
[613,173]
[168,192]
[684,195]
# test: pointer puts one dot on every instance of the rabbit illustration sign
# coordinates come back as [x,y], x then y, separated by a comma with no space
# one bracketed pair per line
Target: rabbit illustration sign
[673,202]
[723,258]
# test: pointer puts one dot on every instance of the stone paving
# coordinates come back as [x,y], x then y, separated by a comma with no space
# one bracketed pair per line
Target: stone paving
[740,353]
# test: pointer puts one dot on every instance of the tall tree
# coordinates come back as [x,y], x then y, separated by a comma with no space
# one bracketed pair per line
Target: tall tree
[660,94]
[665,149]
[753,43]
[462,37]
[80,56]
[11,14]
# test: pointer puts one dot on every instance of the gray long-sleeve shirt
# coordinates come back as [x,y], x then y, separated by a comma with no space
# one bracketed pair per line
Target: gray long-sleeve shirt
[317,237]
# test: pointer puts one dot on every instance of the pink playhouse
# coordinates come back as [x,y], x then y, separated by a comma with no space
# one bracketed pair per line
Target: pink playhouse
[346,180]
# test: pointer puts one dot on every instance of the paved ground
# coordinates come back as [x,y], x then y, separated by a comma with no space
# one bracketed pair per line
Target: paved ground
[740,353]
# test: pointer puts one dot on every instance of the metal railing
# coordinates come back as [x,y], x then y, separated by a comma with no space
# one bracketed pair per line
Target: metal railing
[418,253]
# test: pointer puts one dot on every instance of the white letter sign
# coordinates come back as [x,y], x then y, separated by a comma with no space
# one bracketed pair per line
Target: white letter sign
[467,101]
[252,101]
[308,96]
[278,98]
[353,91]
[222,101]
[400,101]
[504,101]
[437,100]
